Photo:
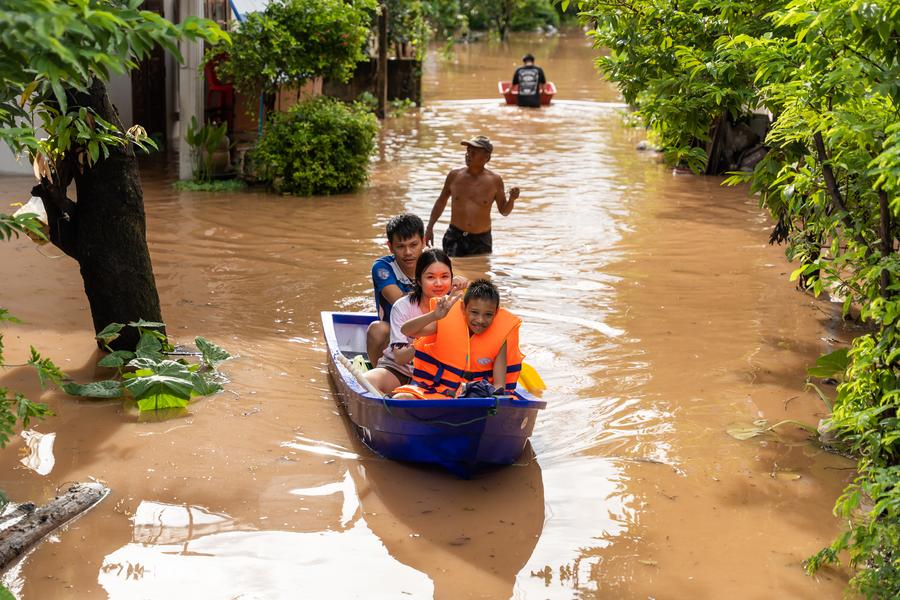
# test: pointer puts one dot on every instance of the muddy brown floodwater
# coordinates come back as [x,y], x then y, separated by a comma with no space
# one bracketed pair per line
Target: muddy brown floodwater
[654,309]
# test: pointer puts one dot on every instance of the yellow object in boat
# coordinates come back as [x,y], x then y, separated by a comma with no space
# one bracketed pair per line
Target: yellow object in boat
[360,363]
[531,380]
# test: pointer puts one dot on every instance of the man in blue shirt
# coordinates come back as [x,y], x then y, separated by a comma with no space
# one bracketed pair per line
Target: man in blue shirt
[393,276]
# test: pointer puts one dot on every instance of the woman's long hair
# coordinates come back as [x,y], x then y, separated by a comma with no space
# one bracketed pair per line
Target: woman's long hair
[428,258]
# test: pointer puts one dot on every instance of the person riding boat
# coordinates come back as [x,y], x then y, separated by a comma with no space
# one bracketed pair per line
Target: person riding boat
[458,343]
[433,279]
[392,278]
[530,80]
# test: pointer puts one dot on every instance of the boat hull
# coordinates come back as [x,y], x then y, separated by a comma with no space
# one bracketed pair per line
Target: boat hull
[462,435]
[510,95]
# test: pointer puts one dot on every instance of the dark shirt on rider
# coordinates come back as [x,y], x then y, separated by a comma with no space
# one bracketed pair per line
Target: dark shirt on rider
[529,79]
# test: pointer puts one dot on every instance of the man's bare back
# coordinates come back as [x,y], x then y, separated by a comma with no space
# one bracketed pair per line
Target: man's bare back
[472,189]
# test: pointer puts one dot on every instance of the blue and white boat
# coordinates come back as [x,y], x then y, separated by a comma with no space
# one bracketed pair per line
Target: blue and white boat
[460,434]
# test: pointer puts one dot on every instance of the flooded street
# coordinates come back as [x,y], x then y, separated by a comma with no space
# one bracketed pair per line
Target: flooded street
[654,309]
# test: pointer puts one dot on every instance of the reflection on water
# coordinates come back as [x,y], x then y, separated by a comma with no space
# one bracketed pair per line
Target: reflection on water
[472,537]
[654,311]
[39,448]
[185,552]
[588,515]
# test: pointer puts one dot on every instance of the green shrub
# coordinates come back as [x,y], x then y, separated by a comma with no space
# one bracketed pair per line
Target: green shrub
[532,15]
[320,146]
[828,73]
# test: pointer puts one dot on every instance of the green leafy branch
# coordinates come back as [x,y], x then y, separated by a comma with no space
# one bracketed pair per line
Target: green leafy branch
[26,223]
[14,406]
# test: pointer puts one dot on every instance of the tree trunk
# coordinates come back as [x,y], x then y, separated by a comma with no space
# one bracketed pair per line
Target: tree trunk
[34,524]
[887,238]
[717,145]
[111,242]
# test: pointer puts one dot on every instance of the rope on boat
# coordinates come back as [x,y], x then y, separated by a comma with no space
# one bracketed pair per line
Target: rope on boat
[489,412]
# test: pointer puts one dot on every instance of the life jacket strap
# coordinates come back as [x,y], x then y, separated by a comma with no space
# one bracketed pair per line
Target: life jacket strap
[426,379]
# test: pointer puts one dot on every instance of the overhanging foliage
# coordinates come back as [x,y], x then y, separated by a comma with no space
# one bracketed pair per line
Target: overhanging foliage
[829,74]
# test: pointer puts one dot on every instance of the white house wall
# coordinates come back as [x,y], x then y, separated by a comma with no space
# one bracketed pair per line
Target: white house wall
[9,165]
[119,91]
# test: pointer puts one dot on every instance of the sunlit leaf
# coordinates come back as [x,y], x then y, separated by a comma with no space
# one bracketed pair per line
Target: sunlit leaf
[168,385]
[161,400]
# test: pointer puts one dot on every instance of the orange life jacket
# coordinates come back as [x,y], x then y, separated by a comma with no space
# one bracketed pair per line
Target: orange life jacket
[450,358]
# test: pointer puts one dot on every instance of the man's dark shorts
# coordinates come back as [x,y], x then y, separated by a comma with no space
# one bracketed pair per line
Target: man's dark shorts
[457,242]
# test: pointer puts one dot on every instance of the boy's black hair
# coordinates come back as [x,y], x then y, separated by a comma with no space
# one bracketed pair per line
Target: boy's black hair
[403,227]
[428,258]
[528,57]
[482,289]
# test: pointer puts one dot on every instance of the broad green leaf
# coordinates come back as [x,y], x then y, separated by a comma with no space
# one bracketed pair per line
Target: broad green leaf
[204,386]
[117,358]
[7,317]
[96,389]
[109,333]
[146,324]
[160,401]
[169,385]
[212,354]
[5,594]
[743,431]
[830,365]
[149,346]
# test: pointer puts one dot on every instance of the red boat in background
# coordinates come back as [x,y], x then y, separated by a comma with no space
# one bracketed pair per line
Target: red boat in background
[510,93]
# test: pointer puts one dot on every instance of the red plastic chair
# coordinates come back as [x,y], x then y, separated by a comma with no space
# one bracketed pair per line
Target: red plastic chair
[223,109]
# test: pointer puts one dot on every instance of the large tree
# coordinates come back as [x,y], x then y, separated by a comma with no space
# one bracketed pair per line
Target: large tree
[56,57]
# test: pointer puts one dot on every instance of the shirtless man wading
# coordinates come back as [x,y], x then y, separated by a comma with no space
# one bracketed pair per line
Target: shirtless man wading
[473,190]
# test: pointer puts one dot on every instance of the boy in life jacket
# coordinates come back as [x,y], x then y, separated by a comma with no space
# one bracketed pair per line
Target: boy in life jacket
[461,342]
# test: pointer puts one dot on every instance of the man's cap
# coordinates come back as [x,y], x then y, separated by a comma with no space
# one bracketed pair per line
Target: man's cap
[528,57]
[479,141]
